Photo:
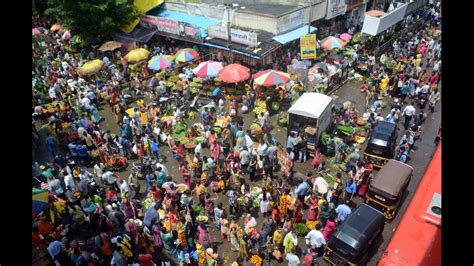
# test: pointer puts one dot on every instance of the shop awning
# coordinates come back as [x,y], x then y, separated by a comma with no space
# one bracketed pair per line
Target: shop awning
[293,35]
[199,21]
[138,34]
[232,50]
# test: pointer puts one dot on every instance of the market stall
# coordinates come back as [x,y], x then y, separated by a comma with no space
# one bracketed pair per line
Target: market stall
[309,116]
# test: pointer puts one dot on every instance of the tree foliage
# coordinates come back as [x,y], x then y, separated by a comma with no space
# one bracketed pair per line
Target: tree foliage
[93,20]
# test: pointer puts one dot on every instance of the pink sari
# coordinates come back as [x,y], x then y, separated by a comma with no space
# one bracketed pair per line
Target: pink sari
[216,151]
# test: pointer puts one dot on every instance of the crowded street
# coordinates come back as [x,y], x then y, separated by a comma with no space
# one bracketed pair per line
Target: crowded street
[169,153]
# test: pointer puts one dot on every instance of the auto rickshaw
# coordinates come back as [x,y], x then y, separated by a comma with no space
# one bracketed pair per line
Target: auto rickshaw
[355,240]
[381,145]
[386,189]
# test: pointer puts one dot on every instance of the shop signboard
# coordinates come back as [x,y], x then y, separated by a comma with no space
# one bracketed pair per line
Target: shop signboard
[290,21]
[189,31]
[168,25]
[336,8]
[149,21]
[308,46]
[237,36]
[284,161]
[182,29]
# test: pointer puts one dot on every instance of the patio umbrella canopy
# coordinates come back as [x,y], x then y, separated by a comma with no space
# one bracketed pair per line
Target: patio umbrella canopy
[55,27]
[36,31]
[39,200]
[346,37]
[271,77]
[159,62]
[332,42]
[208,69]
[234,73]
[66,35]
[186,55]
[110,46]
[91,67]
[137,55]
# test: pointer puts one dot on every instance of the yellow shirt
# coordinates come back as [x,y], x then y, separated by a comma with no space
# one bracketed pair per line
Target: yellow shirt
[277,238]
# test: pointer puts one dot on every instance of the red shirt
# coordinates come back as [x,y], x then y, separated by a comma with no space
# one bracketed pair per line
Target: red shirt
[145,259]
[156,193]
[36,240]
[287,61]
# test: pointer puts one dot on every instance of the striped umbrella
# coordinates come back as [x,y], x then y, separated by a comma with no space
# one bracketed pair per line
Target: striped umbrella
[55,27]
[36,31]
[76,40]
[160,62]
[137,55]
[91,67]
[234,73]
[40,200]
[332,42]
[186,55]
[271,77]
[346,37]
[66,35]
[208,69]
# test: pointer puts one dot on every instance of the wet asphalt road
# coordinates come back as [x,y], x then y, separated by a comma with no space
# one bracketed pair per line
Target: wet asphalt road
[419,159]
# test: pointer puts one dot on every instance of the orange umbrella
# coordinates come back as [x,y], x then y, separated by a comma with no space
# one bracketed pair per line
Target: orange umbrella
[234,73]
[375,13]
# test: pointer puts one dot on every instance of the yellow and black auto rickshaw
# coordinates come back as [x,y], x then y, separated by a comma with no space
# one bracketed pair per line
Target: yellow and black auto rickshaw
[357,239]
[381,143]
[386,190]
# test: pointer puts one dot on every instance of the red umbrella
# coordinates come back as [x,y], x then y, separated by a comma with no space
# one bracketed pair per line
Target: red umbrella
[234,73]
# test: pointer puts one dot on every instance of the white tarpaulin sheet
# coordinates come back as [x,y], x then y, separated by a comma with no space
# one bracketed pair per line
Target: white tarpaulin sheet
[375,25]
[310,104]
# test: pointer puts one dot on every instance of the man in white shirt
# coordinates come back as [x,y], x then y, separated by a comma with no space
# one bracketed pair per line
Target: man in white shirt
[315,239]
[163,168]
[86,102]
[292,259]
[69,182]
[109,178]
[408,112]
[320,185]
[124,188]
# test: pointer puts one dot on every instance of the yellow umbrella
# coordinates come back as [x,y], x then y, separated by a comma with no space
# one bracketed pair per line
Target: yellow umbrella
[137,55]
[91,67]
[110,46]
[55,27]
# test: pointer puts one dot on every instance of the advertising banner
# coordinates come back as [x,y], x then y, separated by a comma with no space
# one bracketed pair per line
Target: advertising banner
[237,36]
[336,8]
[308,46]
[168,25]
[290,21]
[183,29]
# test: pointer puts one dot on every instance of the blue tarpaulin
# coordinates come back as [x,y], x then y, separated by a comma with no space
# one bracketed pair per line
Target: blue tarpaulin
[293,35]
[200,21]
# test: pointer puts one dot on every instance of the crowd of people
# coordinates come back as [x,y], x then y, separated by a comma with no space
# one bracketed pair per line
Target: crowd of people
[96,217]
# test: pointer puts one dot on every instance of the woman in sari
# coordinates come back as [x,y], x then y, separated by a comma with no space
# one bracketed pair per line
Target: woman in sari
[313,207]
[204,238]
[285,201]
[290,242]
[216,151]
[234,229]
